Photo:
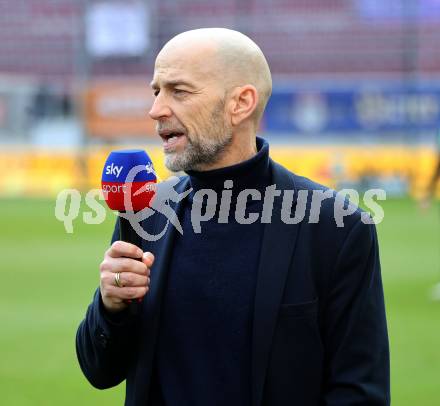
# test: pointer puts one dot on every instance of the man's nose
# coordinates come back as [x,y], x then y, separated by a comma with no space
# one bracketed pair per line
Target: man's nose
[160,108]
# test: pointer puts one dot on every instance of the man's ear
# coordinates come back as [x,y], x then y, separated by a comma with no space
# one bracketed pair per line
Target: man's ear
[243,102]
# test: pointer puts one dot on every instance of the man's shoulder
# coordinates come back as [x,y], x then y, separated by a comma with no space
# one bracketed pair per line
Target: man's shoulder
[317,196]
[298,182]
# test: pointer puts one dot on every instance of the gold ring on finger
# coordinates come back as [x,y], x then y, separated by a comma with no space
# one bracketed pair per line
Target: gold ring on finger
[118,282]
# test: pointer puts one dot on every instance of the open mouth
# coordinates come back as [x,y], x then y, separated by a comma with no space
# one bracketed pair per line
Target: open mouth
[170,138]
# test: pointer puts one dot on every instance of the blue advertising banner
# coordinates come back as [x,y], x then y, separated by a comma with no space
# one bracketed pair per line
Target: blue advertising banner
[380,109]
[428,9]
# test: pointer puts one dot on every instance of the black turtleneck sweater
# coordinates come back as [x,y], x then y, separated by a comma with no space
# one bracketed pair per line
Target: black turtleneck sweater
[204,346]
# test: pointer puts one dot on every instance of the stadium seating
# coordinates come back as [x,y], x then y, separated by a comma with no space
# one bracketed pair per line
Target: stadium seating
[44,37]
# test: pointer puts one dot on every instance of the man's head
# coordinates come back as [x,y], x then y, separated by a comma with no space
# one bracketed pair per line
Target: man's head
[211,87]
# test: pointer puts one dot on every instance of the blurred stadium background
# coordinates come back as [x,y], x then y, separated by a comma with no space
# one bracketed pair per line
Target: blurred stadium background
[356,103]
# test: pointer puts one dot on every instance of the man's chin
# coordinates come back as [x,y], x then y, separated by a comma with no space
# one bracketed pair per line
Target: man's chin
[174,162]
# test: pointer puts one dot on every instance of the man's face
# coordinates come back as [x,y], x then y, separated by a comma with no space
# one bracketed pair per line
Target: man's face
[190,111]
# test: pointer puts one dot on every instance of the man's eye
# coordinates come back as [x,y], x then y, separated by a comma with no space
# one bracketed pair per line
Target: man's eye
[179,91]
[156,92]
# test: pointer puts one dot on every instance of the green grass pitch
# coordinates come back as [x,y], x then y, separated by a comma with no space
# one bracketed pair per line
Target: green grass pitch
[48,277]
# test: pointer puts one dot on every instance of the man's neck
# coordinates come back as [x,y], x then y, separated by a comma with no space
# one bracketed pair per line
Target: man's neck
[238,151]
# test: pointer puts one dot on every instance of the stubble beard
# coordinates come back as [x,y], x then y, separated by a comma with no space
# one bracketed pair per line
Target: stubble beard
[206,150]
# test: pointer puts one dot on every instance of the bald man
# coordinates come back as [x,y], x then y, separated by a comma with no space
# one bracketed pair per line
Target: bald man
[247,306]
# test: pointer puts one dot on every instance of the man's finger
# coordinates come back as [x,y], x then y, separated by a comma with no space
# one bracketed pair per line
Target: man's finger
[124,249]
[128,292]
[124,265]
[126,279]
[148,259]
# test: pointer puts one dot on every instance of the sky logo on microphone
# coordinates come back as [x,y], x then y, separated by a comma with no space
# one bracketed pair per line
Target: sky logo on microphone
[118,187]
[149,168]
[113,170]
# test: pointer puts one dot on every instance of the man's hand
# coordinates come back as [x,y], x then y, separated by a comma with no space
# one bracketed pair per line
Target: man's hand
[134,268]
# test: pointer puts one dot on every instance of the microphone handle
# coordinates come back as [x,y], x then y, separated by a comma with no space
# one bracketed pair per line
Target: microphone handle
[128,234]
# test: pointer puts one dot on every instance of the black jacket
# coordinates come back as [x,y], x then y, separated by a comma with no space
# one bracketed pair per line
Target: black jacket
[319,328]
